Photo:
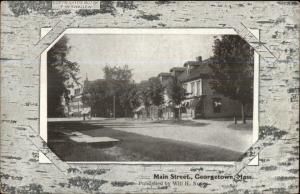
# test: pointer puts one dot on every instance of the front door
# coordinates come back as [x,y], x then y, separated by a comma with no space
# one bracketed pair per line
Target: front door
[199,109]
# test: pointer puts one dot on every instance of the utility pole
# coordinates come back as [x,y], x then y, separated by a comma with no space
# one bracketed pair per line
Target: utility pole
[179,112]
[114,107]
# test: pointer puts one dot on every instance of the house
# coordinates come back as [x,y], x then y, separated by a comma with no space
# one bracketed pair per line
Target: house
[201,101]
[74,106]
[140,112]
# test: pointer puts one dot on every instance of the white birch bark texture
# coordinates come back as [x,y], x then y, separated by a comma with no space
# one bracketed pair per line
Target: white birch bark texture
[278,146]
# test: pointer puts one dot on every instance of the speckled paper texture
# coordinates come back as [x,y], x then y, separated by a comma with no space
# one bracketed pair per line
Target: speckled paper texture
[278,144]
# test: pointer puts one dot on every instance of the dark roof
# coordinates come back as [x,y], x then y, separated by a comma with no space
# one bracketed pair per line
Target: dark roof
[164,74]
[193,63]
[208,61]
[177,69]
[202,70]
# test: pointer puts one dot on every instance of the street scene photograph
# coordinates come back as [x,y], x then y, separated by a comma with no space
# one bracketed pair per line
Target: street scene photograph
[150,97]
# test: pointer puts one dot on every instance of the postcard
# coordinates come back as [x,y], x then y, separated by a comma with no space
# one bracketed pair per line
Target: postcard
[149,97]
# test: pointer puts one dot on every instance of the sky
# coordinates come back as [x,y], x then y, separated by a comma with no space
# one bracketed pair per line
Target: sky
[147,55]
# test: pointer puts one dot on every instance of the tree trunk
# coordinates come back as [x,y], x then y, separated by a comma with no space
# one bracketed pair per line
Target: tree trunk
[243,113]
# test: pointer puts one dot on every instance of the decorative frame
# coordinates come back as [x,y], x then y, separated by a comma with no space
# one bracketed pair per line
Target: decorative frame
[94,178]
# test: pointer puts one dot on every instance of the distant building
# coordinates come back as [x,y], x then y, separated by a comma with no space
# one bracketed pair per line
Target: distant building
[74,106]
[176,71]
[140,112]
[167,112]
[165,78]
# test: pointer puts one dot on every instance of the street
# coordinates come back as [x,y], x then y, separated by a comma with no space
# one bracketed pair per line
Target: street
[136,140]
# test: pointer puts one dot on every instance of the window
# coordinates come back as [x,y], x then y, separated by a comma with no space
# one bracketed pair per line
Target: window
[77,91]
[193,88]
[217,105]
[199,88]
[185,87]
[188,70]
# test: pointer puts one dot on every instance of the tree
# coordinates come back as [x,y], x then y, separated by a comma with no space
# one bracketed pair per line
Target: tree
[92,96]
[116,90]
[133,97]
[59,69]
[150,92]
[233,68]
[117,73]
[143,92]
[176,93]
[156,91]
[120,84]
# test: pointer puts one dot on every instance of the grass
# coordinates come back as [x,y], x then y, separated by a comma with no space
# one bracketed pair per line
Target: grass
[131,147]
[240,126]
[182,123]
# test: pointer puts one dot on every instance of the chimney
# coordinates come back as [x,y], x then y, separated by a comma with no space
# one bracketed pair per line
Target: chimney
[199,58]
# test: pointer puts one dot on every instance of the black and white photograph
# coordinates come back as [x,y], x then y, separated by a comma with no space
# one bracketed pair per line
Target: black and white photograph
[150,97]
[144,97]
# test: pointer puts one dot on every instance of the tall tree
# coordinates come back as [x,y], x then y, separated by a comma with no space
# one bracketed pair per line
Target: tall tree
[176,93]
[121,88]
[128,98]
[118,73]
[93,94]
[143,92]
[156,91]
[233,69]
[150,92]
[59,69]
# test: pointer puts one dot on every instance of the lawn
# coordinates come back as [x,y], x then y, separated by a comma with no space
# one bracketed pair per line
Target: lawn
[241,126]
[131,147]
[181,123]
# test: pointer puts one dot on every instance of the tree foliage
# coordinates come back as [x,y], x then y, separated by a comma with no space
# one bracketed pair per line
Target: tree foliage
[150,92]
[117,73]
[233,68]
[143,89]
[175,91]
[59,69]
[120,85]
[116,90]
[156,91]
[93,94]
